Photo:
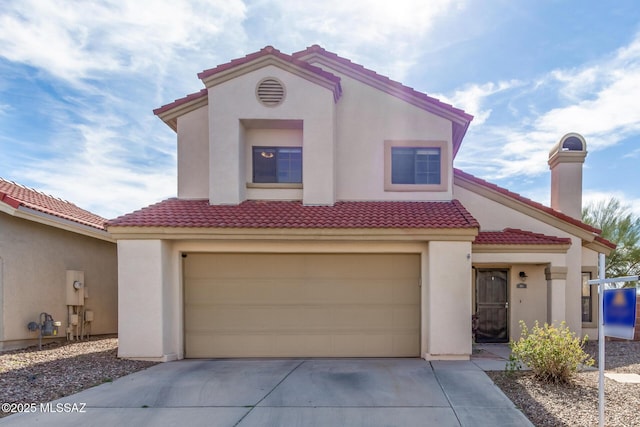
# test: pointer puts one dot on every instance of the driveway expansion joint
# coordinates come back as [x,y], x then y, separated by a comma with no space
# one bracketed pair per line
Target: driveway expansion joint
[270,391]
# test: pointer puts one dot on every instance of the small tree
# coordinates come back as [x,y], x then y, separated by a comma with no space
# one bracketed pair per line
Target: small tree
[621,227]
[553,353]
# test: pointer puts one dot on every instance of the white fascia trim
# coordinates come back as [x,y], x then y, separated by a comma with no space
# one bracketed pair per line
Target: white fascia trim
[54,221]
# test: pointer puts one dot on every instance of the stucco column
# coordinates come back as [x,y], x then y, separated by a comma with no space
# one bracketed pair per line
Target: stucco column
[556,293]
[142,275]
[449,301]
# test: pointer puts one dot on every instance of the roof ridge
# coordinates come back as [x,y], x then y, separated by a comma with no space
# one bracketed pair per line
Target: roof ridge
[269,50]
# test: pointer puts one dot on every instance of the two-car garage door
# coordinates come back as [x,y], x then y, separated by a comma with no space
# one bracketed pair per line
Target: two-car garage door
[321,305]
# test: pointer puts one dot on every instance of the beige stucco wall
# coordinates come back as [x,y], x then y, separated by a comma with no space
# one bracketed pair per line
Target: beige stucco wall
[305,101]
[193,154]
[527,304]
[565,179]
[34,260]
[449,301]
[145,288]
[366,117]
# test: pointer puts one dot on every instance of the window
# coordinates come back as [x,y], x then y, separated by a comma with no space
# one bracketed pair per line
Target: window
[416,166]
[587,299]
[412,165]
[277,164]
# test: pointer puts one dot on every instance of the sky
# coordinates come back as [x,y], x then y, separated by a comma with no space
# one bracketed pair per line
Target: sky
[79,81]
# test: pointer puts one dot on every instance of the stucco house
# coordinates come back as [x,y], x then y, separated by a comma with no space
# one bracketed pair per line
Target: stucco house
[47,244]
[318,213]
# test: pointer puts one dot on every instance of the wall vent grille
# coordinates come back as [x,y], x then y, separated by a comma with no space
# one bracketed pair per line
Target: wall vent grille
[270,92]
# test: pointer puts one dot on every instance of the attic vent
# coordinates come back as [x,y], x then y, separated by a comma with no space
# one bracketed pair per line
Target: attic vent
[270,91]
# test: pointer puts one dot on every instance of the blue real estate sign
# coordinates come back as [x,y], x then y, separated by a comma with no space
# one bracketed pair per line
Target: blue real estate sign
[619,312]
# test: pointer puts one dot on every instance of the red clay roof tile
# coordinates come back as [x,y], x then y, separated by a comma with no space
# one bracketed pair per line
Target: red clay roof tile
[16,195]
[288,215]
[200,94]
[513,236]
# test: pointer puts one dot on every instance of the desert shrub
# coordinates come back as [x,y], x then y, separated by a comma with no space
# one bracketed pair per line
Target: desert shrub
[553,353]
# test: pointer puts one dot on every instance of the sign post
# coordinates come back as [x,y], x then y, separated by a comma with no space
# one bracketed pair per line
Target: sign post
[618,315]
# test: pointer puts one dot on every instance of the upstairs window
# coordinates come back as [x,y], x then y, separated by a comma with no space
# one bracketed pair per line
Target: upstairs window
[416,165]
[277,165]
[413,165]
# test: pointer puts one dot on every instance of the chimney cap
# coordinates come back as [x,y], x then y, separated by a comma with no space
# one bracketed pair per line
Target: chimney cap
[569,142]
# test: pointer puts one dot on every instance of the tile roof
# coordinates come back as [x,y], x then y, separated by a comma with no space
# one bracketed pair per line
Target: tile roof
[294,215]
[18,196]
[200,94]
[514,236]
[531,203]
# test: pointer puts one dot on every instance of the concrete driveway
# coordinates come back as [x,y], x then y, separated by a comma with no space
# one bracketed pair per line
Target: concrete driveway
[289,392]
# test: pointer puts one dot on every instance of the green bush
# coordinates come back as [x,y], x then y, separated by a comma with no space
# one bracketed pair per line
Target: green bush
[553,353]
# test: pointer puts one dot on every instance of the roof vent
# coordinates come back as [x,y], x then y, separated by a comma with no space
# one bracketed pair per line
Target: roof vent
[270,92]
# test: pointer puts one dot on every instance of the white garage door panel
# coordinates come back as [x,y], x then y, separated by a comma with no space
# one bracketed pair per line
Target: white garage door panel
[260,305]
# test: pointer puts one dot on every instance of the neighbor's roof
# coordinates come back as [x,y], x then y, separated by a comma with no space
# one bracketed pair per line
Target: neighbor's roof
[294,215]
[514,236]
[17,196]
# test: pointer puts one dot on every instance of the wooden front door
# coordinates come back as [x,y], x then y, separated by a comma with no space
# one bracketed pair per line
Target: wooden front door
[492,306]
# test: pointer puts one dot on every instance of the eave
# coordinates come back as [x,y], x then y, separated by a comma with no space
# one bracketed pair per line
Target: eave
[368,234]
[54,221]
[520,248]
[169,113]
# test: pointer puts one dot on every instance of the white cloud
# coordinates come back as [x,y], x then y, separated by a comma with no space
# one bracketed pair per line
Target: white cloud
[599,101]
[73,40]
[100,173]
[472,98]
[386,36]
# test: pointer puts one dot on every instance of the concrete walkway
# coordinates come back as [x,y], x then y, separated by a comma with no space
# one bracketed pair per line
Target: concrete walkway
[290,392]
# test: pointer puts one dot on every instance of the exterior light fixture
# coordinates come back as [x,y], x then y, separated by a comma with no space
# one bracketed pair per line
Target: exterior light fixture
[523,278]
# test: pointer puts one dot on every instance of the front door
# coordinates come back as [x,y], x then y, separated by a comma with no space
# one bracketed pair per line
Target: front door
[492,306]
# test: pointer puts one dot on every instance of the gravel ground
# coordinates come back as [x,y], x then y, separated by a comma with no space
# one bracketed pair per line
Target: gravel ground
[576,404]
[61,369]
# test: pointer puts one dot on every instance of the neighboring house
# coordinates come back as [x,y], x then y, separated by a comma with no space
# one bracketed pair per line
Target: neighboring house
[319,214]
[45,245]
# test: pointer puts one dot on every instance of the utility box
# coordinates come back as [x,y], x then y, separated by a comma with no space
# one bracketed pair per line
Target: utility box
[75,287]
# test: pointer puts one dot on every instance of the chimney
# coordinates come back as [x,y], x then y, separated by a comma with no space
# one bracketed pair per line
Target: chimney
[565,161]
